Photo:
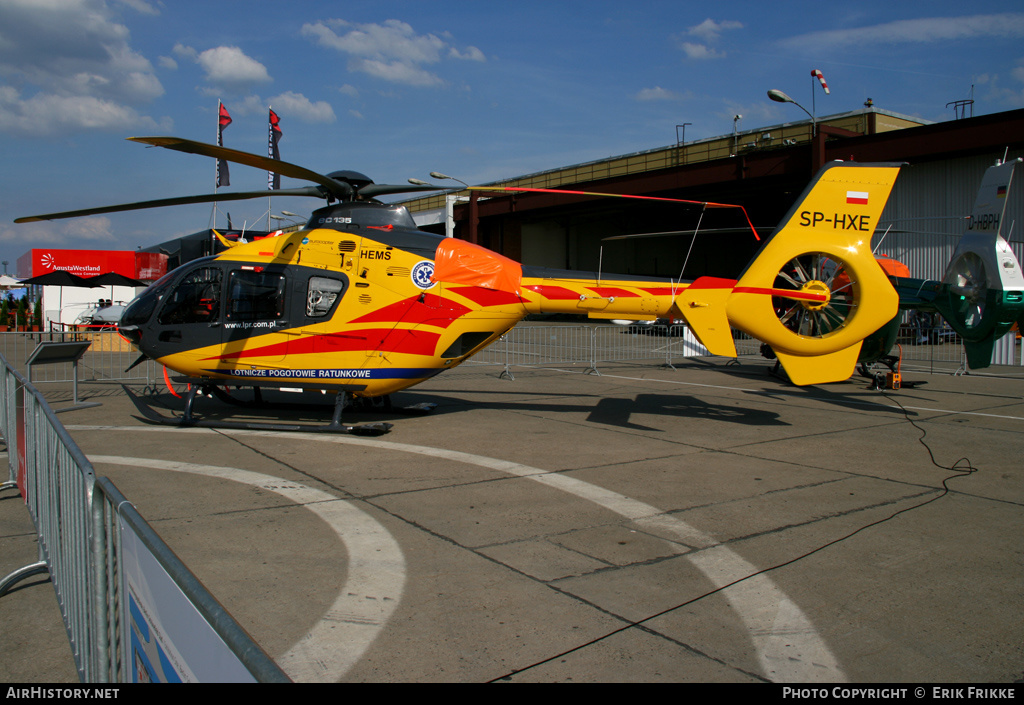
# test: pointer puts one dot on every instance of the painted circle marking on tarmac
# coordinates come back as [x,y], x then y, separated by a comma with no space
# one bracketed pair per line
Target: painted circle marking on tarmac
[787,645]
[373,586]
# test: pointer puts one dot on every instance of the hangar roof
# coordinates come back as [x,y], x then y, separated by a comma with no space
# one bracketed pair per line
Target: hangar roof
[865,121]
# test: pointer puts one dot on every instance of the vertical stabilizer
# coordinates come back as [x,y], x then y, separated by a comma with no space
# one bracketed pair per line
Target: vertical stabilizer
[815,289]
[984,285]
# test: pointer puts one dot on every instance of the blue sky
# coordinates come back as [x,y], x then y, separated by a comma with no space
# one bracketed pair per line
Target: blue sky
[478,90]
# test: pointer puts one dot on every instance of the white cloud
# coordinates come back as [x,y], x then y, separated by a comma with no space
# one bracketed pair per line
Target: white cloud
[229,67]
[74,68]
[288,105]
[657,93]
[48,114]
[73,232]
[396,72]
[291,104]
[391,51]
[250,105]
[699,51]
[709,30]
[1007,92]
[470,54]
[922,30]
[73,48]
[393,40]
[185,52]
[141,6]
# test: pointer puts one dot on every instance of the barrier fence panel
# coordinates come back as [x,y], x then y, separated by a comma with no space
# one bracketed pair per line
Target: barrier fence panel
[209,645]
[80,520]
[56,482]
[642,342]
[535,345]
[530,346]
[108,358]
[931,345]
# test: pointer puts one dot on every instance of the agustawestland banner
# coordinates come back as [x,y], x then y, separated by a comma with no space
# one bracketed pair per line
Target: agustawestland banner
[146,266]
[150,266]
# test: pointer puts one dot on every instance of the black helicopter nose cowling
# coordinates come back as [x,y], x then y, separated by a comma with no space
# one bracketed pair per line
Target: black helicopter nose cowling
[131,333]
[137,313]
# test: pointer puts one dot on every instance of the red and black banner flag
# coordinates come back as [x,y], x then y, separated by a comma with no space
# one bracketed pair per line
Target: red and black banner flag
[223,177]
[274,179]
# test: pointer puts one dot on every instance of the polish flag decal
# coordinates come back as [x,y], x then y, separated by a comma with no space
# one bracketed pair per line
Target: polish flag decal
[859,198]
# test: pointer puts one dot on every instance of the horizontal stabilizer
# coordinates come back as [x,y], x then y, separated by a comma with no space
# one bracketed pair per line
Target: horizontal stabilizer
[820,369]
[979,352]
[703,306]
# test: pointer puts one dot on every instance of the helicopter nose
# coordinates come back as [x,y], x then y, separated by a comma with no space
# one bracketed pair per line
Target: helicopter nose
[132,333]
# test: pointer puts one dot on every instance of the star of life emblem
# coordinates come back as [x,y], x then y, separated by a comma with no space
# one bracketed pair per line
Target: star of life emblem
[422,273]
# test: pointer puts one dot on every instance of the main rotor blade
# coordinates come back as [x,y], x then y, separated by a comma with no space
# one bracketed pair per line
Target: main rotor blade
[311,191]
[338,189]
[704,204]
[374,190]
[705,231]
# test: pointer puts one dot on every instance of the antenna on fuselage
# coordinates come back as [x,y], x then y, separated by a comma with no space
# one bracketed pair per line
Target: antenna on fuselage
[695,231]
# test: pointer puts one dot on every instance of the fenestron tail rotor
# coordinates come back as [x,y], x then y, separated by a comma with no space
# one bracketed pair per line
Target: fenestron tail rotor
[822,297]
[968,280]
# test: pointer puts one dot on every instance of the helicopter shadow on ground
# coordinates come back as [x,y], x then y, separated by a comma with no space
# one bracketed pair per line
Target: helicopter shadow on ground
[607,410]
[847,394]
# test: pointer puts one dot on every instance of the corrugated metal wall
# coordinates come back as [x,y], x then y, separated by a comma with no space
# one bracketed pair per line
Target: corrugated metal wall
[927,210]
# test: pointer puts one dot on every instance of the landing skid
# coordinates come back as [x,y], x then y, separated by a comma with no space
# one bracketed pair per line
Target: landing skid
[342,400]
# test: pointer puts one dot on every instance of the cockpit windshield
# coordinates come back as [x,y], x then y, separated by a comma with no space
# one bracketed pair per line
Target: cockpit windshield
[141,309]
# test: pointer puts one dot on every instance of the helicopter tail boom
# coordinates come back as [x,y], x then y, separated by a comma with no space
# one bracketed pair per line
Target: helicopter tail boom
[813,293]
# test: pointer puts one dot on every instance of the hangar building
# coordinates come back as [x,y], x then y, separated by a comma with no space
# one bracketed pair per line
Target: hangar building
[764,170]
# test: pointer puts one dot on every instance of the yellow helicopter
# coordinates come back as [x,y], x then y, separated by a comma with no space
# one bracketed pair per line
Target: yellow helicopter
[363,303]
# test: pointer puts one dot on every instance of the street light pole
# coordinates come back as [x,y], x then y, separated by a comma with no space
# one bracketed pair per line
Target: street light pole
[450,199]
[780,97]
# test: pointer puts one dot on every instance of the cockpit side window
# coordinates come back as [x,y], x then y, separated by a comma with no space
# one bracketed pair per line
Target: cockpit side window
[195,299]
[255,296]
[321,295]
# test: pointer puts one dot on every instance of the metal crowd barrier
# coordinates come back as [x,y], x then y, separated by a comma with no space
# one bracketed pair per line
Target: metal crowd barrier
[527,345]
[580,345]
[81,521]
[108,358]
[577,345]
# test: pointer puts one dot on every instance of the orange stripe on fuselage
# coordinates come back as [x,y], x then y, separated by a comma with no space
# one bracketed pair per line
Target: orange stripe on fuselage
[432,310]
[785,293]
[486,297]
[553,293]
[609,291]
[412,342]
